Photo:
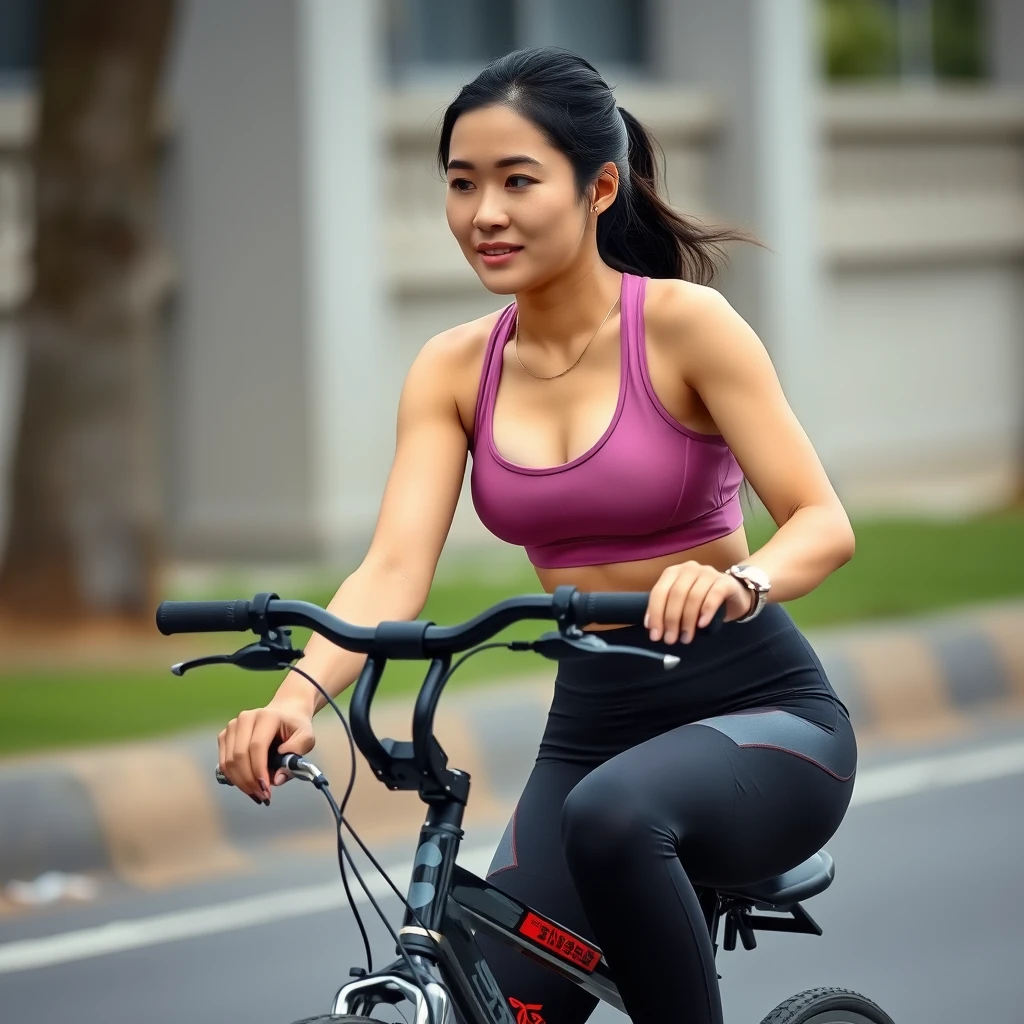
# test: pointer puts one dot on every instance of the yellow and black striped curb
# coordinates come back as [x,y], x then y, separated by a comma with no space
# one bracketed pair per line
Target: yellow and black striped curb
[152,814]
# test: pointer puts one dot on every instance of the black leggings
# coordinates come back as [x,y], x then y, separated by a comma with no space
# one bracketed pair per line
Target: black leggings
[731,769]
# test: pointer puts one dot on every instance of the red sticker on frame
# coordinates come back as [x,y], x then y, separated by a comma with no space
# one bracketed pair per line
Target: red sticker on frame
[560,942]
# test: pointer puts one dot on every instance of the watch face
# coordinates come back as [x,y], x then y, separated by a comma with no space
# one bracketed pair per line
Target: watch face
[756,576]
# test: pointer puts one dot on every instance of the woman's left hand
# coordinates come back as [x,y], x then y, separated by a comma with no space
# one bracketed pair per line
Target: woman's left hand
[687,596]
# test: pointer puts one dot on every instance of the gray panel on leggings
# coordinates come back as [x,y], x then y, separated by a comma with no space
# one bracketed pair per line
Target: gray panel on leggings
[505,855]
[784,731]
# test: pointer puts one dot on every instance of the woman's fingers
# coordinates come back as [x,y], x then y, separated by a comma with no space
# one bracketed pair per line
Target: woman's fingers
[265,729]
[701,592]
[228,759]
[220,750]
[654,621]
[243,746]
[676,599]
[685,599]
[244,778]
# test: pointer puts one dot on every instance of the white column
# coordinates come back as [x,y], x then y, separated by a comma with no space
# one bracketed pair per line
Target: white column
[784,95]
[11,375]
[1006,41]
[759,58]
[351,429]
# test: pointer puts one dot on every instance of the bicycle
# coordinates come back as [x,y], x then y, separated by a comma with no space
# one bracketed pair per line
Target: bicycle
[440,969]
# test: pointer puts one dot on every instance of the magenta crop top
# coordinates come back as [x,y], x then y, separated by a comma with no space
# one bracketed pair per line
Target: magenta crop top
[648,487]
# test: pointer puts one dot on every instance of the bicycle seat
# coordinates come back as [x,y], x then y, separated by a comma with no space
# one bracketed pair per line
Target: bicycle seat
[814,875]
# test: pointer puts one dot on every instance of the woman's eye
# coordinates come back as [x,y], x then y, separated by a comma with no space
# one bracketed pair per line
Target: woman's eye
[460,184]
[521,178]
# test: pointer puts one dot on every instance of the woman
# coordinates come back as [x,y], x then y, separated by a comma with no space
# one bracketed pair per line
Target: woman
[612,411]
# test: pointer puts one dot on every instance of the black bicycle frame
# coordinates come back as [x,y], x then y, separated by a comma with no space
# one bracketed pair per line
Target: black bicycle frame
[451,904]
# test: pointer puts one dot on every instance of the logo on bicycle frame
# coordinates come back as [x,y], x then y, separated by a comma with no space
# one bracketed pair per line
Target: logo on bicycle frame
[560,942]
[527,1013]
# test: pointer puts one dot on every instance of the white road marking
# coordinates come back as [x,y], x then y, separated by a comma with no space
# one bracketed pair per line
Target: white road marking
[941,772]
[873,786]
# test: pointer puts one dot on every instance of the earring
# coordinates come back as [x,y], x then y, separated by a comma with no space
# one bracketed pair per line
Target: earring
[593,209]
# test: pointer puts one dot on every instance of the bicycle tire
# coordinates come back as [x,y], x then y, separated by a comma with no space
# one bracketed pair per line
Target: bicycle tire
[828,1006]
[336,1018]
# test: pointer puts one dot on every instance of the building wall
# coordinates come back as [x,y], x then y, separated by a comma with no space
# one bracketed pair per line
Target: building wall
[921,238]
[236,360]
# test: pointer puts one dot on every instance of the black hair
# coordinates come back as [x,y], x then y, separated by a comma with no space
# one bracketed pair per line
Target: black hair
[565,97]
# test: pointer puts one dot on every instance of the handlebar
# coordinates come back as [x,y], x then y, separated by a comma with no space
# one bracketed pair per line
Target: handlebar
[407,640]
[405,765]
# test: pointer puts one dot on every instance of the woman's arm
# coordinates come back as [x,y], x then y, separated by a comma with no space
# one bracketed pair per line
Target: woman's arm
[726,364]
[724,361]
[395,576]
[422,490]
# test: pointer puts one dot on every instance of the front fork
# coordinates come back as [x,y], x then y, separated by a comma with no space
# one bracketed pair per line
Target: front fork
[436,853]
[362,996]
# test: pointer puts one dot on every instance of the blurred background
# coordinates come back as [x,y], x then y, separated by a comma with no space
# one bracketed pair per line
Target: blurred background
[222,243]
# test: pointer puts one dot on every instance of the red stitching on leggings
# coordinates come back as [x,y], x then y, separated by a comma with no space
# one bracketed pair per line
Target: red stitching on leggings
[786,750]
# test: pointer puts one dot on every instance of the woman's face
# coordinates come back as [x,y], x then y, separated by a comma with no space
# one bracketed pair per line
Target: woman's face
[510,189]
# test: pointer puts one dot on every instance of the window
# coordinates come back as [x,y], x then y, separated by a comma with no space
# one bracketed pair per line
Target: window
[455,38]
[908,39]
[19,25]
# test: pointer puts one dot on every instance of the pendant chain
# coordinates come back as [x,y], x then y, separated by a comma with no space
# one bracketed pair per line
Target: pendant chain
[515,346]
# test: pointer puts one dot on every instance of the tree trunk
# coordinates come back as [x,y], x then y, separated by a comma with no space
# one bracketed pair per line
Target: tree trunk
[83,534]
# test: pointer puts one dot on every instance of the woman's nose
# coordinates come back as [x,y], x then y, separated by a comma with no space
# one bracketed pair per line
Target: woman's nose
[490,214]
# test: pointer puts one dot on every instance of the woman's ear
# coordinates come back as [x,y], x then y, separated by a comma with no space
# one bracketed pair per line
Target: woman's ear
[606,188]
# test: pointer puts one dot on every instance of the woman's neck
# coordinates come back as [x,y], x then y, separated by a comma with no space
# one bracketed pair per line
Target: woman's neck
[553,316]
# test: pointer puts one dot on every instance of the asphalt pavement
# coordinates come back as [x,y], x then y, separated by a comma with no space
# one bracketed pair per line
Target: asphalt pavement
[922,917]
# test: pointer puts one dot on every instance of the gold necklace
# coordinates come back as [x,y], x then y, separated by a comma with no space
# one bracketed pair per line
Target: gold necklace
[515,346]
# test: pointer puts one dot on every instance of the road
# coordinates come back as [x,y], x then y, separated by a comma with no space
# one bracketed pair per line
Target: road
[923,917]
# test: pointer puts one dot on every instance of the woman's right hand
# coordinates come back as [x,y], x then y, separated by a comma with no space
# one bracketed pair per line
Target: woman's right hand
[244,743]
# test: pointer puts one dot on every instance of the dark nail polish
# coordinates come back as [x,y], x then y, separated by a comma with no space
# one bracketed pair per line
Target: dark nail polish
[267,803]
[255,799]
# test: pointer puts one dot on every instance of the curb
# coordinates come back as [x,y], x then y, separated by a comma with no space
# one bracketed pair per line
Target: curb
[152,815]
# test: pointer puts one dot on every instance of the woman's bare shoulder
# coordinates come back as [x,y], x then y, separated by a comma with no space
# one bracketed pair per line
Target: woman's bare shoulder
[453,360]
[461,346]
[673,307]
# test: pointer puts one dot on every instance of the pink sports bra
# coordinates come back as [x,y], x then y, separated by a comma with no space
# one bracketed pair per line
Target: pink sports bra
[648,487]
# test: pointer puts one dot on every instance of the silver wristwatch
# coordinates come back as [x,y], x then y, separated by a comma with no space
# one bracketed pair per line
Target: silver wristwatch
[756,581]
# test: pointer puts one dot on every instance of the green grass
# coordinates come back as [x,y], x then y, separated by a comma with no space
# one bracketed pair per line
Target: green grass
[44,708]
[911,567]
[902,567]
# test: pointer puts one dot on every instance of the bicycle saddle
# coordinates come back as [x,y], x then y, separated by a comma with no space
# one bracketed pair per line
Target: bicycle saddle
[814,875]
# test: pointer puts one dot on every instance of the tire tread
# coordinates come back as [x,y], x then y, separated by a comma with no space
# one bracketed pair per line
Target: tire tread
[790,1011]
[336,1018]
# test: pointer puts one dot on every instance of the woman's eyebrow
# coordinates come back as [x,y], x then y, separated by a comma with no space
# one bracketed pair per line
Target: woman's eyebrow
[505,161]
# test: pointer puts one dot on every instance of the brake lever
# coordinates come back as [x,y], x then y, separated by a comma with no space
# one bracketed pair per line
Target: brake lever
[271,651]
[574,643]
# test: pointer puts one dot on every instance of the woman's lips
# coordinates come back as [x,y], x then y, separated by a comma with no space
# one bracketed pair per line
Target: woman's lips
[499,258]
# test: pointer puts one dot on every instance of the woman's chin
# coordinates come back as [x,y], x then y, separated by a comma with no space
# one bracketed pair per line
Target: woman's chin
[499,284]
[504,281]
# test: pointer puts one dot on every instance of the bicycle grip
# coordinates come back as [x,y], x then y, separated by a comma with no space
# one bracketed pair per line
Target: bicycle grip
[202,616]
[612,608]
[627,608]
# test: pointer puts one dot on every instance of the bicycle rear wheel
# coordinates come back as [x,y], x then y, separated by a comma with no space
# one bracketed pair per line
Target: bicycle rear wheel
[828,1006]
[336,1018]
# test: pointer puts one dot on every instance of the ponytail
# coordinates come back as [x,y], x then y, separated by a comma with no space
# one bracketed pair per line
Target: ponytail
[641,234]
[566,98]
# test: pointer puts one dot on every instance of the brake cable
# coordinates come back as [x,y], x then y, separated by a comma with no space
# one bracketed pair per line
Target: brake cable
[343,823]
